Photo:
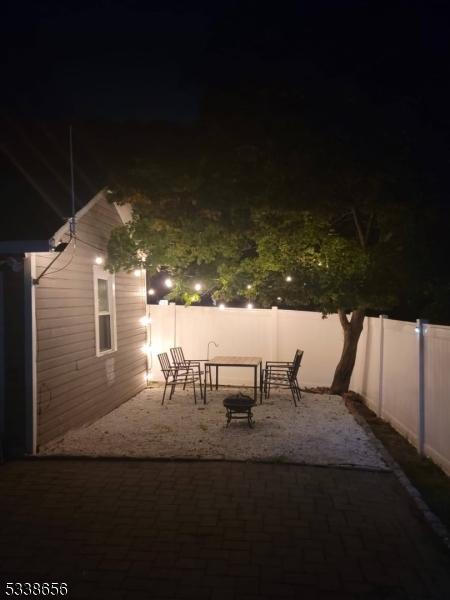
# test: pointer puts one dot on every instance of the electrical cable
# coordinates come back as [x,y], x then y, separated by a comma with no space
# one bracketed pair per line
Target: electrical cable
[69,261]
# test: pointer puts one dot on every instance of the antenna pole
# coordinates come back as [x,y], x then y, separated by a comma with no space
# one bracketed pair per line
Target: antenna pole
[72,187]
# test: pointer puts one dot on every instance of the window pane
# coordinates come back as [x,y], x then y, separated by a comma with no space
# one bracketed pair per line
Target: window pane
[103,303]
[104,332]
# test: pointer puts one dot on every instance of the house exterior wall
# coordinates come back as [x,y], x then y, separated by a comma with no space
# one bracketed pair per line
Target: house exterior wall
[74,386]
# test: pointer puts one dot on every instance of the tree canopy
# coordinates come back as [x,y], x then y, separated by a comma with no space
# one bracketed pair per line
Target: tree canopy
[252,201]
[278,208]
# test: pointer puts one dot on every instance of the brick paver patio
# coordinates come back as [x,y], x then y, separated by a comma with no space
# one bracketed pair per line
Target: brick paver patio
[214,530]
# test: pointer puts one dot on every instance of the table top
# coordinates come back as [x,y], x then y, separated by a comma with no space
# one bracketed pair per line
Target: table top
[235,361]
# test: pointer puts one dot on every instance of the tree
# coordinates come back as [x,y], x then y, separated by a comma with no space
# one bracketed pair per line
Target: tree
[260,215]
[346,260]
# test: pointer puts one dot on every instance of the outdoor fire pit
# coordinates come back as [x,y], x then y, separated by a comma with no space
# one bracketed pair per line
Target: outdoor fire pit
[239,406]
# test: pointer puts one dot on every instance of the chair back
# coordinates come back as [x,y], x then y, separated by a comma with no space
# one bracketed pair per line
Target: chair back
[297,353]
[178,356]
[165,364]
[296,365]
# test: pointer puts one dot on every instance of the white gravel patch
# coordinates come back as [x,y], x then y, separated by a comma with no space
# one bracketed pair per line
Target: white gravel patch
[320,431]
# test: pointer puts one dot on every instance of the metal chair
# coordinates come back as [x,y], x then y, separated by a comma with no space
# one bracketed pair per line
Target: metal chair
[180,361]
[175,375]
[284,375]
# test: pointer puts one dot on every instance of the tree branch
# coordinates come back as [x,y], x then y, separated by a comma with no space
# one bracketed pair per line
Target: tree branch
[369,225]
[358,228]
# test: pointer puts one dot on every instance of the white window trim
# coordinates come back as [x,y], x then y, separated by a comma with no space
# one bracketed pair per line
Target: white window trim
[100,273]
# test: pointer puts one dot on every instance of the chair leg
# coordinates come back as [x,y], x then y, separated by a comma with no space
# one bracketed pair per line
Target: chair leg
[185,380]
[294,393]
[172,390]
[297,390]
[293,385]
[195,395]
[164,394]
[200,381]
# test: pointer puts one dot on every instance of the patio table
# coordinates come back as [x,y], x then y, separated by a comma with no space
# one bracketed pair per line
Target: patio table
[253,362]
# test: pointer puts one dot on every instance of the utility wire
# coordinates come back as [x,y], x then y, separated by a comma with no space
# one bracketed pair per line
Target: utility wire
[46,270]
[70,259]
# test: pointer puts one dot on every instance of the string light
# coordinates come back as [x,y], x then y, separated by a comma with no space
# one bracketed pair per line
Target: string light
[145,321]
[146,349]
[249,287]
[98,260]
[151,292]
[221,306]
[288,278]
[197,287]
[168,283]
[137,272]
[249,305]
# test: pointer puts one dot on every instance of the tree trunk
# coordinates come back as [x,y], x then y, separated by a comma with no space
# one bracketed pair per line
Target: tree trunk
[352,331]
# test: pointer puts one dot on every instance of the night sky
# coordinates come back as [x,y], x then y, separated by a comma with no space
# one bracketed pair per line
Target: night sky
[144,60]
[109,67]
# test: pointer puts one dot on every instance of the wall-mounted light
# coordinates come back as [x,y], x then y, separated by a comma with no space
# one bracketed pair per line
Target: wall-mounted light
[168,283]
[99,260]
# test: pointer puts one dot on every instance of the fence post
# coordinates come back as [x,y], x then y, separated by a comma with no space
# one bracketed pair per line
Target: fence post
[148,342]
[421,330]
[173,306]
[380,375]
[274,333]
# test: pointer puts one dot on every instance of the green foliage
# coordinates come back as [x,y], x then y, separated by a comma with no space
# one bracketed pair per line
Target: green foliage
[247,202]
[330,269]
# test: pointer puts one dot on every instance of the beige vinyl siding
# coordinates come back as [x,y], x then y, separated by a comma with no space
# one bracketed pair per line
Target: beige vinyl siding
[74,386]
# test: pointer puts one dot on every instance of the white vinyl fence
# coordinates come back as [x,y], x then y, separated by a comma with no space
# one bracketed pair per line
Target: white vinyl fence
[402,369]
[403,372]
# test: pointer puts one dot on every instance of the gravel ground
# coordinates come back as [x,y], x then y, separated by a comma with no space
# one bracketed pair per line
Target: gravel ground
[320,431]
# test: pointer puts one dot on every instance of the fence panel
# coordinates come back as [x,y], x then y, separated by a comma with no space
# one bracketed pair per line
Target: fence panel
[367,376]
[236,331]
[272,334]
[437,394]
[321,339]
[400,377]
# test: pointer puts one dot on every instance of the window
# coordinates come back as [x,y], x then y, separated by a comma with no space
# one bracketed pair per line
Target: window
[105,312]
